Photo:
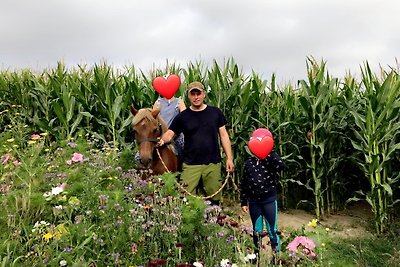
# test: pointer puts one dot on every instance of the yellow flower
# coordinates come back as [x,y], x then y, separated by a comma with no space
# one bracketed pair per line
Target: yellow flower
[313,223]
[74,201]
[61,230]
[323,244]
[327,229]
[44,134]
[31,142]
[10,140]
[47,236]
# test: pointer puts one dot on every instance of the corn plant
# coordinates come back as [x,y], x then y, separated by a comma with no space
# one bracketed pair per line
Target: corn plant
[318,114]
[376,130]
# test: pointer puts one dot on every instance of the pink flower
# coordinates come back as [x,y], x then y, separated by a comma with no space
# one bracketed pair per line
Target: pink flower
[301,241]
[35,136]
[134,248]
[302,246]
[16,163]
[5,158]
[77,157]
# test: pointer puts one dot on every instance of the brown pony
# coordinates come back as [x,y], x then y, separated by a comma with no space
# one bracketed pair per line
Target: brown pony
[148,126]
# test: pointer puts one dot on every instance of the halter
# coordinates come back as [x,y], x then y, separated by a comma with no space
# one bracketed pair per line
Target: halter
[151,140]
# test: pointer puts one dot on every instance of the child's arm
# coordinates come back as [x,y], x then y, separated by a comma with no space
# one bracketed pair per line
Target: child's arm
[157,104]
[181,105]
[276,161]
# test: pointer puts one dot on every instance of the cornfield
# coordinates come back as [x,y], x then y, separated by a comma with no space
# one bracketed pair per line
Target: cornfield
[339,136]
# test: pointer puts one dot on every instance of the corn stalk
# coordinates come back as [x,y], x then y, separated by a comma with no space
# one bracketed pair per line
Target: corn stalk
[316,106]
[376,131]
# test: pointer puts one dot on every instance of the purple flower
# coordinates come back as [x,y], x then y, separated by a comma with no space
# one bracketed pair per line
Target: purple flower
[72,144]
[231,238]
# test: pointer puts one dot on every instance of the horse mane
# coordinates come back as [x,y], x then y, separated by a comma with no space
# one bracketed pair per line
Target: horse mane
[146,114]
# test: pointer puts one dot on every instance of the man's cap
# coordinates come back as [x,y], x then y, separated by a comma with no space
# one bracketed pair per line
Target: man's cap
[195,86]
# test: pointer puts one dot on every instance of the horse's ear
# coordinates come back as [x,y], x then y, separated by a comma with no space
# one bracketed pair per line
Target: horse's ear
[133,110]
[155,112]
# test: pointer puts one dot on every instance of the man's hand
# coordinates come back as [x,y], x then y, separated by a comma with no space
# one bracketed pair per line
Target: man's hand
[230,167]
[245,209]
[166,138]
[160,142]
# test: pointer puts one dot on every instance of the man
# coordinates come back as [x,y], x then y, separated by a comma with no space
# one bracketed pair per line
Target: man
[203,126]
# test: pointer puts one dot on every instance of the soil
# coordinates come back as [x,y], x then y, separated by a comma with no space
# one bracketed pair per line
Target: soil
[355,221]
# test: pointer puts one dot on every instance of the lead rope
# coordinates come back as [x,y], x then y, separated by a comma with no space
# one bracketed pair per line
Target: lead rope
[206,197]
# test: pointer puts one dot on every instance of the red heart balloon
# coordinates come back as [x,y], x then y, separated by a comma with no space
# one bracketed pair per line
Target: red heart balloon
[261,147]
[261,132]
[167,87]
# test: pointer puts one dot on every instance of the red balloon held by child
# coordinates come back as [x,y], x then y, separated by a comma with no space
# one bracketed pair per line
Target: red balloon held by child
[261,143]
[167,87]
[261,132]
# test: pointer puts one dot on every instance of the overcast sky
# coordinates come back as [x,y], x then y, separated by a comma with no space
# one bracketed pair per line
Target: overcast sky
[267,36]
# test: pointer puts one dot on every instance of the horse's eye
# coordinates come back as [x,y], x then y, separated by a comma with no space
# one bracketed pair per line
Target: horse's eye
[155,130]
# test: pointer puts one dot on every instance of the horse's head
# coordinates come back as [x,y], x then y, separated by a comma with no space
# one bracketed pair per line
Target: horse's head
[147,127]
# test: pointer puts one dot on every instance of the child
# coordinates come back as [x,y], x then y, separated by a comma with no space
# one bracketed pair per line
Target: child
[169,108]
[258,195]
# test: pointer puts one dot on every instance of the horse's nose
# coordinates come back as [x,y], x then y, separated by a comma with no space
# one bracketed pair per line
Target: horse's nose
[145,161]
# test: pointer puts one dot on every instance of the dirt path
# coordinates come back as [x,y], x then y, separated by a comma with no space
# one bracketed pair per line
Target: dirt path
[351,222]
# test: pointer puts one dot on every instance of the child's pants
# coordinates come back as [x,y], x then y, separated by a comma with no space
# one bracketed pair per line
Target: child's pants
[269,210]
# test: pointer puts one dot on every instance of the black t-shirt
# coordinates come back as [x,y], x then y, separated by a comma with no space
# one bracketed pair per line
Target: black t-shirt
[201,131]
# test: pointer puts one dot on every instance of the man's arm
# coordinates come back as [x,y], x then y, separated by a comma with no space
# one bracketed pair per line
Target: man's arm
[226,144]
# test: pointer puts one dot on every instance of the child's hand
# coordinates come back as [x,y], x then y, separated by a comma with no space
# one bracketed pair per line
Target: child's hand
[245,209]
